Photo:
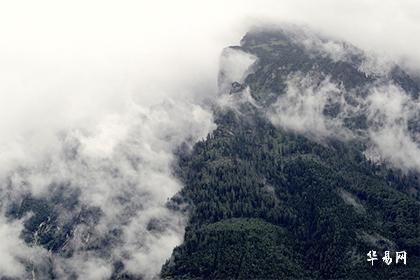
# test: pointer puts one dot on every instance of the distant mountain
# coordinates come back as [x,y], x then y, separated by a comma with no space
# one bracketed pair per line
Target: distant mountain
[312,165]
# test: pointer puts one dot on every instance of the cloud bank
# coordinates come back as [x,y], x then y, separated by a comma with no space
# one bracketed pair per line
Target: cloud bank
[389,117]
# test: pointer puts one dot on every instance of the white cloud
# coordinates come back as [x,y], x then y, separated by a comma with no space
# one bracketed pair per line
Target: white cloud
[124,167]
[14,251]
[234,66]
[390,110]
[301,107]
[84,88]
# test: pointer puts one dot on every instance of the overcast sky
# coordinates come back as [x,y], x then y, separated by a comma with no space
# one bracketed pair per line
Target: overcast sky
[66,61]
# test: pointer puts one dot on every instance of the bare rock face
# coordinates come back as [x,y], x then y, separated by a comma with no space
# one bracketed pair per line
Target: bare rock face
[237,87]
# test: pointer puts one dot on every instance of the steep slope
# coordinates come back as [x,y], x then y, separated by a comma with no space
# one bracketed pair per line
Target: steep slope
[272,201]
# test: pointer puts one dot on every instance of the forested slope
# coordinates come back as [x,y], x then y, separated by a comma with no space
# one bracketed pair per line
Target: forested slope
[270,203]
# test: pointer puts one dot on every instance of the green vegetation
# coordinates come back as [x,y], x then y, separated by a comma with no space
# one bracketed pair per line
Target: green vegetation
[267,204]
[238,248]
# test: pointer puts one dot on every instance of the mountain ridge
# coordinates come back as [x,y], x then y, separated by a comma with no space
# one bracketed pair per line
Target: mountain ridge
[332,204]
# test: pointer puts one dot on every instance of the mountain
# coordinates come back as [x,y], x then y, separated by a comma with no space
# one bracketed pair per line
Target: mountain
[311,166]
[313,163]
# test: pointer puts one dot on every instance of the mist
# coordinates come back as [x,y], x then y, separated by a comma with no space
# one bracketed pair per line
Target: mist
[69,65]
[96,96]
